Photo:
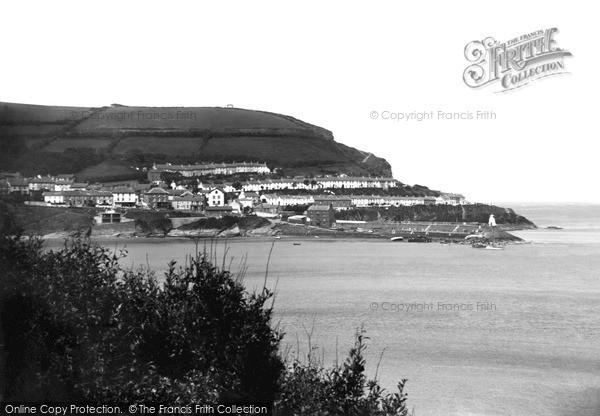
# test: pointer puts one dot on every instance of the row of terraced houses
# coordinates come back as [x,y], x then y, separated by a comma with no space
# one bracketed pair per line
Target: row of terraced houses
[206,169]
[268,184]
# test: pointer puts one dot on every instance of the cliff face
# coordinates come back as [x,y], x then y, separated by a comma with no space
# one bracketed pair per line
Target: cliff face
[103,142]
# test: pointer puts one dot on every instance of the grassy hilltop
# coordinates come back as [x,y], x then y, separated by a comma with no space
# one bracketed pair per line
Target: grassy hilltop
[103,143]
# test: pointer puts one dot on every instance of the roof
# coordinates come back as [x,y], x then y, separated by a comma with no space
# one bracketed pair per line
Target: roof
[264,205]
[224,208]
[123,190]
[355,178]
[332,197]
[17,181]
[296,217]
[286,196]
[177,192]
[198,198]
[41,180]
[319,208]
[78,193]
[64,193]
[142,186]
[157,191]
[449,195]
[202,166]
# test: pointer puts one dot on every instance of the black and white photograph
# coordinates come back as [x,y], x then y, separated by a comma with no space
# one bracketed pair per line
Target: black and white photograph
[299,208]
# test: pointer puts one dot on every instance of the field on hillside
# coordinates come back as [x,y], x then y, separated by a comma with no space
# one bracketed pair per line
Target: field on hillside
[287,150]
[60,145]
[165,145]
[31,130]
[182,118]
[108,171]
[283,150]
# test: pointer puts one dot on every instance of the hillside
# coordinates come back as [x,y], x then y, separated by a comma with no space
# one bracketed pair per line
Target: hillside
[103,143]
[475,213]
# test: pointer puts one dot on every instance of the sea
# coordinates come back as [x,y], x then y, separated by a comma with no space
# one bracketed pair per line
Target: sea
[475,332]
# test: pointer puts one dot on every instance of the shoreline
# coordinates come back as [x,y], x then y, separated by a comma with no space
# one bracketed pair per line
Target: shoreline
[154,239]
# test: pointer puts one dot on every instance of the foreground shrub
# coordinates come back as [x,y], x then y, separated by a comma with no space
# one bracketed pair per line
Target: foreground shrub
[309,389]
[78,327]
[75,326]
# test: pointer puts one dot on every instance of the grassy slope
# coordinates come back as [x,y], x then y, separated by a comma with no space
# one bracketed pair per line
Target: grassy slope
[183,118]
[119,135]
[45,220]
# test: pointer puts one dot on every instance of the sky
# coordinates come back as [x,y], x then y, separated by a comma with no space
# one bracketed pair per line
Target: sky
[334,64]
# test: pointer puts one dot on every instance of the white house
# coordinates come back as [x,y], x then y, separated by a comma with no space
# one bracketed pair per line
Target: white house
[357,182]
[284,200]
[216,198]
[41,184]
[248,199]
[125,197]
[188,202]
[63,185]
[366,200]
[54,198]
[450,199]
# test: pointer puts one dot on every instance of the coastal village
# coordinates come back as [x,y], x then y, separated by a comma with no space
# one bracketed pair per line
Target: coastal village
[222,189]
[245,199]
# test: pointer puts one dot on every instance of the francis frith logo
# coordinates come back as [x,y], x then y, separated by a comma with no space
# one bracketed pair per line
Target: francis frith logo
[514,63]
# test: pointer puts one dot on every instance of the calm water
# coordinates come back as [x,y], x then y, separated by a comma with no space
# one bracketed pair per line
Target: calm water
[536,351]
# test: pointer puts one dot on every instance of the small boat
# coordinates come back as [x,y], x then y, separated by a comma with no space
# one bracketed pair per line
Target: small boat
[490,247]
[297,244]
[278,237]
[316,236]
[397,239]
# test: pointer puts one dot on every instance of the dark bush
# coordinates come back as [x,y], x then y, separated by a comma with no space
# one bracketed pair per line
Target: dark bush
[309,389]
[78,327]
[75,326]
